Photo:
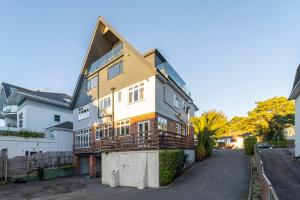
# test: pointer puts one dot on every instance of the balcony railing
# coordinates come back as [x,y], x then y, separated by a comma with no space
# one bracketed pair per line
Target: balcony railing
[10,110]
[140,141]
[115,52]
[167,70]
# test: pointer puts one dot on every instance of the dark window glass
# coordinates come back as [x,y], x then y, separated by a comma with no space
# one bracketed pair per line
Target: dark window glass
[57,118]
[115,70]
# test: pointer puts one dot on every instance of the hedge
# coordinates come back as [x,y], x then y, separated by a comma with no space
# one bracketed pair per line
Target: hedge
[282,143]
[249,143]
[170,165]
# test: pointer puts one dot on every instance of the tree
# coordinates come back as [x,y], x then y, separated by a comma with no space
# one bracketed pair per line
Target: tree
[208,125]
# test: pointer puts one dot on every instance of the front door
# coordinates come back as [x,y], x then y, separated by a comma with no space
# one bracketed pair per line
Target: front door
[143,133]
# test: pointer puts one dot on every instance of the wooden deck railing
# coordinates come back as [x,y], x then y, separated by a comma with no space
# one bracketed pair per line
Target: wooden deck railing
[140,141]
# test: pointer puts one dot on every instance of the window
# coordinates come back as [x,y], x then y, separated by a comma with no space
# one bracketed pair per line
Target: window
[178,129]
[82,138]
[108,130]
[175,101]
[99,132]
[122,128]
[21,120]
[162,123]
[92,83]
[119,96]
[184,106]
[83,112]
[144,135]
[115,70]
[105,103]
[57,118]
[136,93]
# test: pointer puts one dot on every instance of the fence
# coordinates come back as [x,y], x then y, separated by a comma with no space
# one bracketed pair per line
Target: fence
[267,190]
[22,165]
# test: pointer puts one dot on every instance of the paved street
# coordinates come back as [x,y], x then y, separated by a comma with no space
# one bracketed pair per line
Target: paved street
[283,170]
[224,176]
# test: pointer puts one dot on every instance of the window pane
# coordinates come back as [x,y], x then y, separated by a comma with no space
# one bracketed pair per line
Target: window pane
[115,70]
[142,93]
[136,95]
[130,97]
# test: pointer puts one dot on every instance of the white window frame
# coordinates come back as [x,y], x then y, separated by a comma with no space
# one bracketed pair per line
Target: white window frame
[122,128]
[162,123]
[99,132]
[83,112]
[136,93]
[82,138]
[92,83]
[105,103]
[178,129]
[175,101]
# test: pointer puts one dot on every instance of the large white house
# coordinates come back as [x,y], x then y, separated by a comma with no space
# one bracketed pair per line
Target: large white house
[295,95]
[46,114]
[127,108]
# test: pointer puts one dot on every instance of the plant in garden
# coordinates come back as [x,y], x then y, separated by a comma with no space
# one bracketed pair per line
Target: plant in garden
[200,152]
[249,144]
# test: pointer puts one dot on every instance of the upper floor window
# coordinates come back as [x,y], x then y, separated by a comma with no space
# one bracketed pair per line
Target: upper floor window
[82,138]
[162,123]
[105,103]
[92,83]
[175,101]
[57,118]
[83,112]
[115,70]
[136,93]
[99,132]
[21,120]
[119,96]
[122,128]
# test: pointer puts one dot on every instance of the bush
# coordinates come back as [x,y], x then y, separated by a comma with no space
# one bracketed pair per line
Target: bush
[200,152]
[249,143]
[282,143]
[170,165]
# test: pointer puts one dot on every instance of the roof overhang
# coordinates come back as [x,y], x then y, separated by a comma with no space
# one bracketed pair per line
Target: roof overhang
[295,92]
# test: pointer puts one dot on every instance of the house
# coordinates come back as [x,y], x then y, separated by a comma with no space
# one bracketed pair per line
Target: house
[127,107]
[45,116]
[233,140]
[295,96]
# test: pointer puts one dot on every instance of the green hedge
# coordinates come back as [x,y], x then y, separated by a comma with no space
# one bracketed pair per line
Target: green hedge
[52,173]
[22,133]
[170,164]
[249,143]
[282,143]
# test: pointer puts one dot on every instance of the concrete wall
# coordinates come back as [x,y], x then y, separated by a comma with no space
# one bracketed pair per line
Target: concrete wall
[136,168]
[38,116]
[297,123]
[190,155]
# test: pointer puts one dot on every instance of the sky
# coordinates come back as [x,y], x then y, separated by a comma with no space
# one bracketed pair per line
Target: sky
[231,53]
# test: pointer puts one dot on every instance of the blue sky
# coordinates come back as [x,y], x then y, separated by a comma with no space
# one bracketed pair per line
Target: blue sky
[231,53]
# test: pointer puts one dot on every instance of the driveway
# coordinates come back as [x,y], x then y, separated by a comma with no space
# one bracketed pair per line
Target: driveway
[283,170]
[224,176]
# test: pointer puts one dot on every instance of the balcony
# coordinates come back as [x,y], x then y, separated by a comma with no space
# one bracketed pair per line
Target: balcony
[9,110]
[101,62]
[167,70]
[140,141]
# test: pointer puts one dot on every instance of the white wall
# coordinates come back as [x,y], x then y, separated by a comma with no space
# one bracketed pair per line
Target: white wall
[136,168]
[17,146]
[297,123]
[39,116]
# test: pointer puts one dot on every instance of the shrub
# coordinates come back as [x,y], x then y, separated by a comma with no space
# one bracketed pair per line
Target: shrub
[40,173]
[282,143]
[249,143]
[200,152]
[170,165]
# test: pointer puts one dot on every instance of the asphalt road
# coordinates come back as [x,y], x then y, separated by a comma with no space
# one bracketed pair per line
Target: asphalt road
[283,170]
[224,176]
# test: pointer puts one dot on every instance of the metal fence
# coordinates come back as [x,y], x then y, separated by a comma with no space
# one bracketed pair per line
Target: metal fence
[22,165]
[267,190]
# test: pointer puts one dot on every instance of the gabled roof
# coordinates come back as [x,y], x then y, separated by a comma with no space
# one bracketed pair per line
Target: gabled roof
[101,21]
[64,125]
[296,89]
[11,90]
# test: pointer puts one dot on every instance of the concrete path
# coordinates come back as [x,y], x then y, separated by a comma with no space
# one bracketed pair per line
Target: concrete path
[224,176]
[283,170]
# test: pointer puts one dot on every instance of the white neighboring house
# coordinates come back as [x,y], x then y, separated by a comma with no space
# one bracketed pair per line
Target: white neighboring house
[36,111]
[295,96]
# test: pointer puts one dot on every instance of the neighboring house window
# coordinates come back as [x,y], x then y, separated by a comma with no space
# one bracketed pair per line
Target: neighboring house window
[122,128]
[184,106]
[83,112]
[82,138]
[175,101]
[119,96]
[136,93]
[105,103]
[92,83]
[184,131]
[178,129]
[99,132]
[57,118]
[162,123]
[115,70]
[21,120]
